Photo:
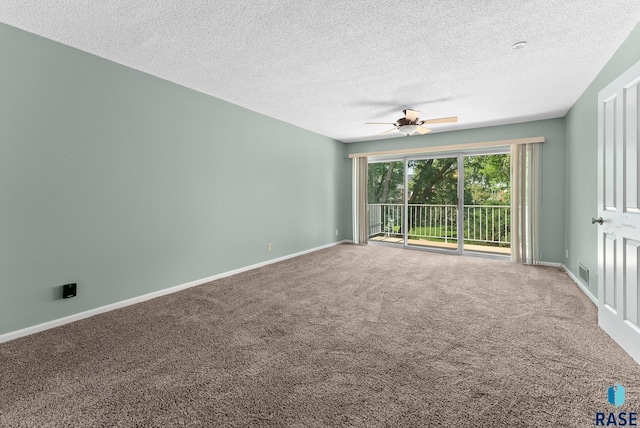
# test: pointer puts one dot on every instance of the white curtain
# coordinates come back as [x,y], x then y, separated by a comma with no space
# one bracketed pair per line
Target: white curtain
[524,203]
[361,227]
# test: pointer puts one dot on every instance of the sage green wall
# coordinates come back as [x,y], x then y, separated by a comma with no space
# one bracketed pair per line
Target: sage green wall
[581,145]
[552,163]
[128,184]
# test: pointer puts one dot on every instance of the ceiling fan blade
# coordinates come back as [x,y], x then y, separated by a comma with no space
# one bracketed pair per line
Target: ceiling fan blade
[440,120]
[411,115]
[423,130]
[380,123]
[386,132]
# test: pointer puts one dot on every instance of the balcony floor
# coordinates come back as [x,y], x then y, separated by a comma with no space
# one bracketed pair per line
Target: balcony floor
[503,251]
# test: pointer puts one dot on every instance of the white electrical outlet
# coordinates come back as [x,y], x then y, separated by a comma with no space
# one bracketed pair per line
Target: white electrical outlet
[269,246]
[336,232]
[566,254]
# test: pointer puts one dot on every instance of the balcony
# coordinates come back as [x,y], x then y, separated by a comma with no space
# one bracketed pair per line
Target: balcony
[487,228]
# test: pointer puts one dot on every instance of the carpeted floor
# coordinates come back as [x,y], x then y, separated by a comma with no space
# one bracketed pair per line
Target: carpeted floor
[348,336]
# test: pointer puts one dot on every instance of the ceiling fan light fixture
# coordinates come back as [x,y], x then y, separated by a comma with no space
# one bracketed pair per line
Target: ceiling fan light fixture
[407,129]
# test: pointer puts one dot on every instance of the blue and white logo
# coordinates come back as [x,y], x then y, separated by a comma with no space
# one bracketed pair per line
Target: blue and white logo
[616,395]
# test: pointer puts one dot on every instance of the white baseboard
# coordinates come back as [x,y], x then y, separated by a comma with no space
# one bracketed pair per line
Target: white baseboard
[580,284]
[551,264]
[117,305]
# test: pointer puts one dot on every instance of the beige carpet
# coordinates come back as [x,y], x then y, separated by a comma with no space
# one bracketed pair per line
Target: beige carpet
[348,336]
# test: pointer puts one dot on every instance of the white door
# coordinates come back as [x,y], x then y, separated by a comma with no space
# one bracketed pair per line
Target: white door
[619,210]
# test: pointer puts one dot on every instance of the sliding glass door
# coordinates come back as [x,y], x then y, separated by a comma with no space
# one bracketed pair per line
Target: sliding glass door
[385,198]
[487,204]
[432,203]
[452,203]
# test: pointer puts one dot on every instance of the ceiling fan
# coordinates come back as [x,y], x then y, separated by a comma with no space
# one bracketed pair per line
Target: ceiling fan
[411,123]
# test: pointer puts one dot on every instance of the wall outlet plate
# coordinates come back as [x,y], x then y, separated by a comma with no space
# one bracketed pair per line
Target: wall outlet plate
[69,290]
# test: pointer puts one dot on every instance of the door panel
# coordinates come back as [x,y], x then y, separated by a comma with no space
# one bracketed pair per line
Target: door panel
[487,204]
[432,204]
[631,152]
[610,154]
[631,264]
[609,277]
[385,201]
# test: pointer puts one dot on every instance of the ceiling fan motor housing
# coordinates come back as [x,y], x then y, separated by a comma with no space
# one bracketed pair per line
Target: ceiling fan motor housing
[404,121]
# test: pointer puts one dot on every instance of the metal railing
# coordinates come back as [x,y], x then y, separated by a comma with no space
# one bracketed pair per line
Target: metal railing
[385,219]
[488,224]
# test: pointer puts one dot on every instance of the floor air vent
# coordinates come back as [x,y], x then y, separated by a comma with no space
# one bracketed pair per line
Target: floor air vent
[583,272]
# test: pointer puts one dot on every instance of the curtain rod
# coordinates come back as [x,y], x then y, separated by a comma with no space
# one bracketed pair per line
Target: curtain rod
[450,147]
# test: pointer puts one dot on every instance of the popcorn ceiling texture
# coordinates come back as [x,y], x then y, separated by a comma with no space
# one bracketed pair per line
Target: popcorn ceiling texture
[330,66]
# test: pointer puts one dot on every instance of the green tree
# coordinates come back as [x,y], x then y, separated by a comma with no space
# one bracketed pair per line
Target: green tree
[487,179]
[385,182]
[434,181]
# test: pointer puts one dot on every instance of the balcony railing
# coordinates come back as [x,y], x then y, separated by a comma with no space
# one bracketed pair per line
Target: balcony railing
[483,224]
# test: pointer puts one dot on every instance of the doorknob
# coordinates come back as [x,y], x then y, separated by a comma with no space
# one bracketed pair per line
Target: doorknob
[597,220]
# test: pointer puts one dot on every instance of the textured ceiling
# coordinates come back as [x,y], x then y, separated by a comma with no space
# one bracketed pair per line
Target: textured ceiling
[329,66]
